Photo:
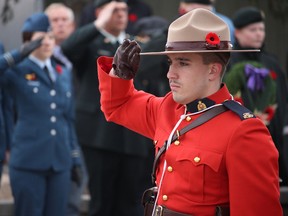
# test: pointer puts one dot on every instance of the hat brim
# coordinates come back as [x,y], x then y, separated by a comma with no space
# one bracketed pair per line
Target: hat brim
[197,51]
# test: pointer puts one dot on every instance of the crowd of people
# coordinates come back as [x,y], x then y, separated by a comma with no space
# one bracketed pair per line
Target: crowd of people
[113,105]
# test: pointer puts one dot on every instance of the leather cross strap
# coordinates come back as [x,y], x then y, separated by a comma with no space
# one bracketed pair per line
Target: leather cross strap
[197,122]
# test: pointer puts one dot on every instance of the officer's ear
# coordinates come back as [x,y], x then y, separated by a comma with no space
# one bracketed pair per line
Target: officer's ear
[214,71]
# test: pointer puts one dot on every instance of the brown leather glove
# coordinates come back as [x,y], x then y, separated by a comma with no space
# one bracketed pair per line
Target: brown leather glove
[126,59]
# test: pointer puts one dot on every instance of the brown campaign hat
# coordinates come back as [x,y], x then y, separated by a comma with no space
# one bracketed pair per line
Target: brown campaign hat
[198,31]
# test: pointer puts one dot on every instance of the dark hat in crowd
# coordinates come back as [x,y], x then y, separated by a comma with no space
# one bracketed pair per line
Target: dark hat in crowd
[99,3]
[151,25]
[205,2]
[246,16]
[36,22]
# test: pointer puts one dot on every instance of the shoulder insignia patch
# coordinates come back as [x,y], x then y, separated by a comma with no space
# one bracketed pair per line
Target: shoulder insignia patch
[240,110]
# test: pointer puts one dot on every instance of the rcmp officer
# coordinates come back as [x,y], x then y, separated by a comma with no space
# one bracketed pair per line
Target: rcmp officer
[44,146]
[217,158]
[7,60]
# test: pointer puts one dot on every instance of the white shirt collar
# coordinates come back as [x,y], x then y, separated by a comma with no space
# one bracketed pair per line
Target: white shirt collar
[41,63]
[120,38]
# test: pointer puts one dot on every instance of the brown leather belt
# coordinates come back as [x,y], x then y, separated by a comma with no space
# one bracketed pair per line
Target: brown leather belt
[161,211]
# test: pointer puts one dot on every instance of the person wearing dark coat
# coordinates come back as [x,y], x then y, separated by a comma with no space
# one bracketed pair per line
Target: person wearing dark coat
[266,96]
[114,163]
[137,9]
[44,150]
[151,34]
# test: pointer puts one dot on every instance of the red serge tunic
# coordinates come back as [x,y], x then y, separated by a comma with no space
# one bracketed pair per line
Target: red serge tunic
[224,161]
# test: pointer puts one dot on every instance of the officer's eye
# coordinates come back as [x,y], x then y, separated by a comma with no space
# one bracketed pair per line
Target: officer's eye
[183,63]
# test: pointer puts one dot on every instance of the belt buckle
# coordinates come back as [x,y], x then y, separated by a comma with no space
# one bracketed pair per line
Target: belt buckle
[158,210]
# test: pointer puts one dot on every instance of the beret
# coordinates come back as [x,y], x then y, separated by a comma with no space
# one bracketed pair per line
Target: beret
[99,3]
[150,25]
[246,16]
[36,22]
[205,2]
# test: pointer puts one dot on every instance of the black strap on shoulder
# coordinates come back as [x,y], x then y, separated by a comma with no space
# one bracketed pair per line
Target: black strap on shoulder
[197,122]
[243,112]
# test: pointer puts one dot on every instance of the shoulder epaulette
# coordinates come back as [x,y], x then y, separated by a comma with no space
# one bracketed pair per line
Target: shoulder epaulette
[240,110]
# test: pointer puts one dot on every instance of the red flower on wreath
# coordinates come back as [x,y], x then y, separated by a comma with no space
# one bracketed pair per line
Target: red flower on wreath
[273,74]
[270,111]
[212,39]
[59,69]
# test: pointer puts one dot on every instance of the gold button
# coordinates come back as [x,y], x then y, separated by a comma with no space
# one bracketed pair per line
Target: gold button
[188,118]
[170,169]
[165,197]
[155,142]
[197,159]
[177,142]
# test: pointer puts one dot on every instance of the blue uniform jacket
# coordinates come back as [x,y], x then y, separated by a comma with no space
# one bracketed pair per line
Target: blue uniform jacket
[44,135]
[6,111]
[2,126]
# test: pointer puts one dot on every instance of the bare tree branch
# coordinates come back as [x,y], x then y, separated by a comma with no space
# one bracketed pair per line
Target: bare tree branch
[7,11]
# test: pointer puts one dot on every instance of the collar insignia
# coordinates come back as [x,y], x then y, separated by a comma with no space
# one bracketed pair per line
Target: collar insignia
[201,106]
[198,105]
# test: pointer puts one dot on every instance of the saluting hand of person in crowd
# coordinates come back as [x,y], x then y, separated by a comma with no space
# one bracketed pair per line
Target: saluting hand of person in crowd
[29,47]
[126,60]
[105,15]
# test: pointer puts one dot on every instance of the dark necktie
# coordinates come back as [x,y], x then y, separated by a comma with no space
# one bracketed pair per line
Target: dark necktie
[117,44]
[47,72]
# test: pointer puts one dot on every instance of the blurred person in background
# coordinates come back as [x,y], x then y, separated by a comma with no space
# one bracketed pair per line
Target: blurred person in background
[2,122]
[188,5]
[115,165]
[137,9]
[151,33]
[62,21]
[8,60]
[257,79]
[44,150]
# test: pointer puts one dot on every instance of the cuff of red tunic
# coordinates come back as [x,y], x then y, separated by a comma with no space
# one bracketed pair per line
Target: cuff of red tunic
[105,63]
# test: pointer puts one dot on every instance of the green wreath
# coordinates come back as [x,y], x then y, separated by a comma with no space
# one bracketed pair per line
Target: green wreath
[256,91]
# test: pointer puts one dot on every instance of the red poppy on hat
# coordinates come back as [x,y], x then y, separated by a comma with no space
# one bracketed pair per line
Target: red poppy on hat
[212,40]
